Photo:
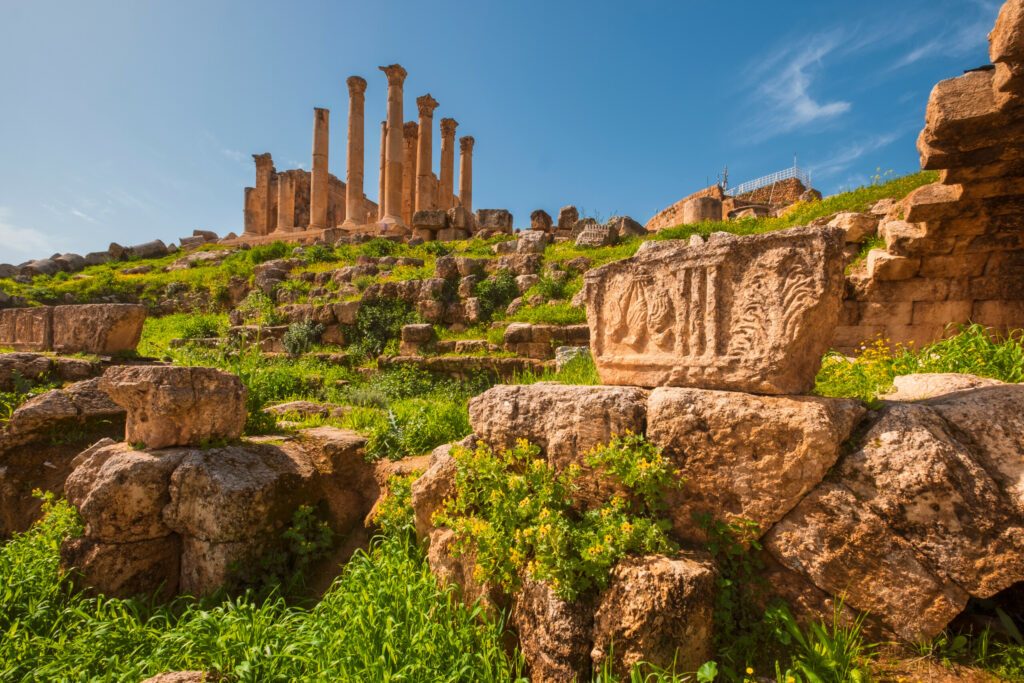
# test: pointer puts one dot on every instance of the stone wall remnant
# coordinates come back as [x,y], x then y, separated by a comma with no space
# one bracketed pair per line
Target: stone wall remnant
[748,313]
[101,329]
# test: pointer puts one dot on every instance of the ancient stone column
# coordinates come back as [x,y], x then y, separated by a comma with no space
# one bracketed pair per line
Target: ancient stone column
[466,172]
[410,133]
[381,196]
[393,161]
[318,178]
[446,191]
[425,200]
[285,203]
[261,196]
[355,209]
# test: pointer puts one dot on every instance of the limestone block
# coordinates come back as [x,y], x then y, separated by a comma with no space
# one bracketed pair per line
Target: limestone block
[429,220]
[846,549]
[102,329]
[70,263]
[921,386]
[701,209]
[625,227]
[1006,41]
[745,456]
[992,421]
[913,473]
[954,265]
[519,264]
[594,234]
[657,610]
[751,313]
[882,265]
[554,634]
[999,314]
[82,402]
[932,202]
[568,216]
[499,220]
[27,329]
[39,267]
[121,492]
[124,570]
[180,677]
[531,242]
[237,493]
[432,488]
[27,366]
[177,406]
[857,226]
[208,566]
[941,312]
[540,220]
[885,312]
[564,421]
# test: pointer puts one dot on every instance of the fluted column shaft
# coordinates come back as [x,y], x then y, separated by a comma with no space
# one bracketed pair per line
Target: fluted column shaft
[446,183]
[466,172]
[285,203]
[355,209]
[381,192]
[394,152]
[425,199]
[410,133]
[318,178]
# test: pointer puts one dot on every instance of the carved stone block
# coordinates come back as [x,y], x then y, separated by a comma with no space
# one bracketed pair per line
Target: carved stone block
[747,313]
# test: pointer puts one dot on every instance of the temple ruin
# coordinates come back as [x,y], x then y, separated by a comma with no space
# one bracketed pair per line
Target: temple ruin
[306,206]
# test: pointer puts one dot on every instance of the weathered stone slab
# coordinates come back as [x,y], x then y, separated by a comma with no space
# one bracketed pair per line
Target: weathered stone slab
[749,313]
[177,406]
[27,329]
[97,328]
[745,456]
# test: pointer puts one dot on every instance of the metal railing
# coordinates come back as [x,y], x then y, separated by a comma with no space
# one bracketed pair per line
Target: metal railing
[764,181]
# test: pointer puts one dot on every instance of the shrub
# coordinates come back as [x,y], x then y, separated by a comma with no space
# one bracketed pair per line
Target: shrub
[519,516]
[268,252]
[496,293]
[301,337]
[318,253]
[258,308]
[201,326]
[379,246]
[436,248]
[379,322]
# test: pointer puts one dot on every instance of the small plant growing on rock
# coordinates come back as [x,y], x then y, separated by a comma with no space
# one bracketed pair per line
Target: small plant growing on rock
[496,293]
[201,327]
[521,518]
[301,337]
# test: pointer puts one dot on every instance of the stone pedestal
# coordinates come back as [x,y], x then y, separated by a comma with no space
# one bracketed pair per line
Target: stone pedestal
[446,189]
[393,150]
[466,172]
[318,187]
[355,209]
[425,199]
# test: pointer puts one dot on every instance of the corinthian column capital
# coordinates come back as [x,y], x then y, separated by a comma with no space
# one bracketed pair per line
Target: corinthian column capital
[395,73]
[356,86]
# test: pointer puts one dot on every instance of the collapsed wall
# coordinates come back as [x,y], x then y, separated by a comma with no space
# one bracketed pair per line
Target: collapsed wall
[954,250]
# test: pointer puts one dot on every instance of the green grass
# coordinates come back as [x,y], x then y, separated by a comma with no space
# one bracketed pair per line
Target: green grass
[385,619]
[803,213]
[974,350]
[551,313]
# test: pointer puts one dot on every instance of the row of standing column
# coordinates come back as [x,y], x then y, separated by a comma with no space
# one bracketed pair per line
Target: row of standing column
[406,162]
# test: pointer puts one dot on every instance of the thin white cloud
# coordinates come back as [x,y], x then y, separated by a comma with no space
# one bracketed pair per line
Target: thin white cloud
[844,157]
[784,88]
[21,242]
[84,216]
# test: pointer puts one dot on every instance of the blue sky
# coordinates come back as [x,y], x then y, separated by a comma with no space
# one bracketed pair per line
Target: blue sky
[128,121]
